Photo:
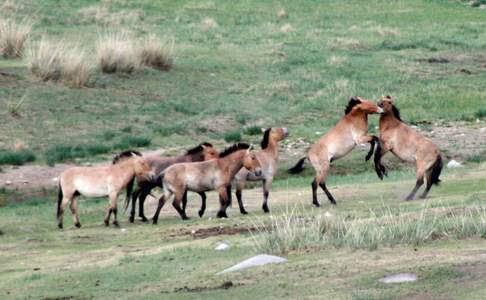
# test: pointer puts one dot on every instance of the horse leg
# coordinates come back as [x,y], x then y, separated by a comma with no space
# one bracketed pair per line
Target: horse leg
[428,175]
[160,204]
[240,185]
[61,209]
[314,193]
[74,212]
[110,207]
[230,198]
[203,204]
[381,149]
[223,202]
[328,194]
[145,192]
[177,204]
[368,139]
[114,208]
[419,183]
[267,183]
[184,201]
[135,195]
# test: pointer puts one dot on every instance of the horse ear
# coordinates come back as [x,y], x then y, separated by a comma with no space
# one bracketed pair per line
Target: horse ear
[251,148]
[263,129]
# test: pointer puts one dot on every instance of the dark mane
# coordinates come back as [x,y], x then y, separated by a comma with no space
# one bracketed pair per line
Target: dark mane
[198,149]
[125,154]
[266,138]
[353,101]
[234,148]
[396,112]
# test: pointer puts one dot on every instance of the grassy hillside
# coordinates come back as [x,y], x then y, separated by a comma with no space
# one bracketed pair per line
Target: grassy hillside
[285,63]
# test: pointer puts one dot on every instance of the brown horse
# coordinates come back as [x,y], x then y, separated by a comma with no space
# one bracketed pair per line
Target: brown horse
[268,159]
[202,152]
[407,145]
[350,131]
[99,182]
[215,174]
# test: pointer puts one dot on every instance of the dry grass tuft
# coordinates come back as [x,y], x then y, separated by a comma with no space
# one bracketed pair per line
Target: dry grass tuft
[13,37]
[384,31]
[208,23]
[101,14]
[344,44]
[117,52]
[336,60]
[286,28]
[282,14]
[157,54]
[45,60]
[76,68]
[53,61]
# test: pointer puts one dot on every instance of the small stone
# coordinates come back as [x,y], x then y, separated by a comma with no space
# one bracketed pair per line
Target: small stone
[453,164]
[259,260]
[193,232]
[222,247]
[8,182]
[397,278]
[123,230]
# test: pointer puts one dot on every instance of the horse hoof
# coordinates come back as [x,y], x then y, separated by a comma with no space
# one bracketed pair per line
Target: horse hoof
[131,219]
[333,202]
[59,225]
[243,212]
[154,222]
[143,219]
[115,223]
[265,209]
[107,223]
[78,225]
[200,213]
[316,204]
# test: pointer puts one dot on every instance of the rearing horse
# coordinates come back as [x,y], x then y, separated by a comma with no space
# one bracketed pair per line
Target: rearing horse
[202,152]
[350,131]
[407,145]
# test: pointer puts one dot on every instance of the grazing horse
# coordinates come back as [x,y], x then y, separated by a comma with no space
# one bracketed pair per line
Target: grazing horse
[99,182]
[202,152]
[407,145]
[350,131]
[268,159]
[215,174]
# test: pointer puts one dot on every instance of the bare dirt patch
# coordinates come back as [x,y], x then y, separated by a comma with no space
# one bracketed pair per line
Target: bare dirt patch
[203,233]
[224,286]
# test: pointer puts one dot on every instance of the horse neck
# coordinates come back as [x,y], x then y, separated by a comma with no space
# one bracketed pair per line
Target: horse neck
[388,120]
[272,148]
[357,118]
[193,157]
[125,170]
[232,163]
[186,158]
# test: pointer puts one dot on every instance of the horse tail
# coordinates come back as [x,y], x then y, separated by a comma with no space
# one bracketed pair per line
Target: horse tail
[436,169]
[299,166]
[129,192]
[379,168]
[59,199]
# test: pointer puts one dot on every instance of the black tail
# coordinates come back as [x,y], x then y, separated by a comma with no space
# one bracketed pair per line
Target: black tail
[379,167]
[59,200]
[437,168]
[298,167]
[129,192]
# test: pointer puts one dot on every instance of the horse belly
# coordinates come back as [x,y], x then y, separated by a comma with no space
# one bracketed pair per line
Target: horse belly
[91,189]
[339,151]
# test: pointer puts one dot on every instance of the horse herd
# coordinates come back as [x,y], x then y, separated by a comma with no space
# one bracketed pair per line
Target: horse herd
[203,168]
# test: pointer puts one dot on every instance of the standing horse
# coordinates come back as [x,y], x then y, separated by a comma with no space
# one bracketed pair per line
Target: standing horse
[350,131]
[202,152]
[407,145]
[268,159]
[99,182]
[215,174]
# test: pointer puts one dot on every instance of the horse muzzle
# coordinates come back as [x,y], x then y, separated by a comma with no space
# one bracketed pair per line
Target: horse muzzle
[258,172]
[380,110]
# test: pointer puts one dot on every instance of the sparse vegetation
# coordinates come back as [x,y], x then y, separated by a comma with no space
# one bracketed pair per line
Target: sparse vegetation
[60,153]
[233,136]
[13,37]
[157,54]
[480,113]
[117,52]
[45,60]
[253,130]
[18,157]
[77,67]
[132,141]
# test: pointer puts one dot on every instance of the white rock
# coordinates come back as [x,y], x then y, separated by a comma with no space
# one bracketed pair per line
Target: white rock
[55,179]
[123,230]
[327,214]
[397,278]
[482,130]
[318,132]
[8,182]
[193,232]
[453,164]
[222,247]
[259,260]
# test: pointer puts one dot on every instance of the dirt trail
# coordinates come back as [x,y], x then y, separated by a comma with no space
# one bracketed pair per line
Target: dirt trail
[40,176]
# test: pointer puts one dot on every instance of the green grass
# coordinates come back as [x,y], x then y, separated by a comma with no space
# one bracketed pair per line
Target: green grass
[17,158]
[233,136]
[247,70]
[167,261]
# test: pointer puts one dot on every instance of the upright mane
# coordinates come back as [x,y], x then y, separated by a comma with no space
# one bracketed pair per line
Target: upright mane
[234,148]
[353,101]
[125,154]
[199,148]
[266,138]
[396,112]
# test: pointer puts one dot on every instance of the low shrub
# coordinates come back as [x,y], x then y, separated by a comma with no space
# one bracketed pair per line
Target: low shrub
[253,130]
[155,53]
[13,37]
[232,136]
[17,158]
[117,52]
[132,141]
